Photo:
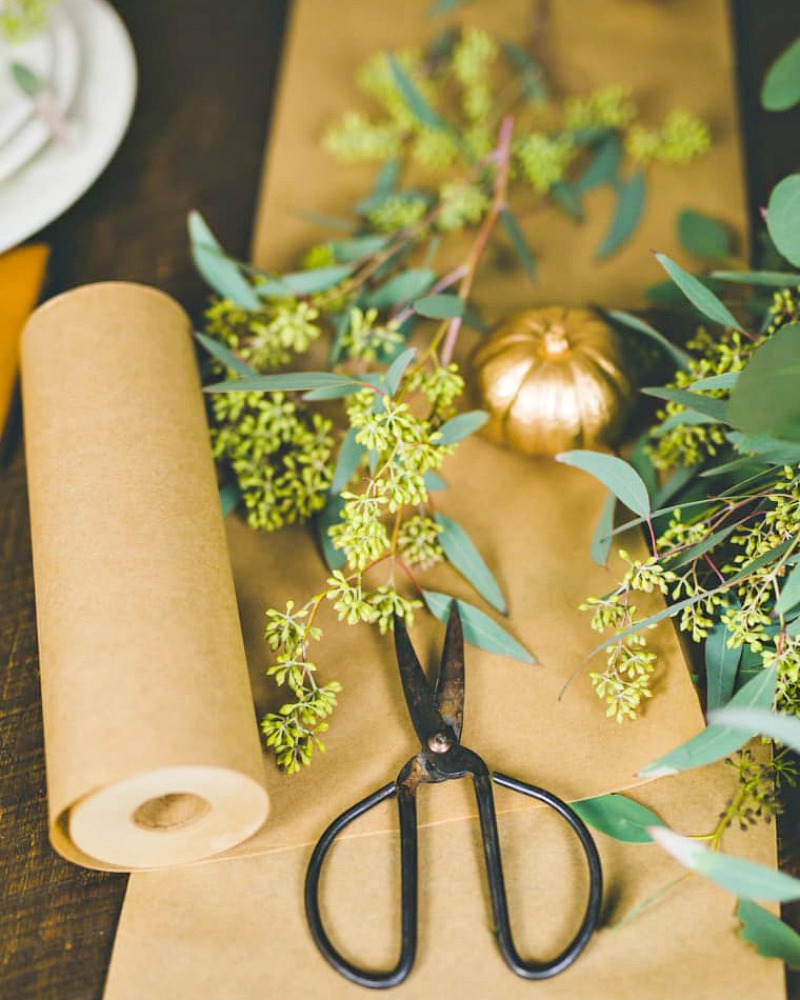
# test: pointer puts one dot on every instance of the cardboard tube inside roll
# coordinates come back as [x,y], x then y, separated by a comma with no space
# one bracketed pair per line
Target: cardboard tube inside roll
[152,748]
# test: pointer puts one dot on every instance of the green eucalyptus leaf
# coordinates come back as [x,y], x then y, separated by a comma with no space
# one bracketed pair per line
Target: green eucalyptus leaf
[397,369]
[783,218]
[353,385]
[790,592]
[271,287]
[350,455]
[434,482]
[350,251]
[703,236]
[766,447]
[590,135]
[642,462]
[765,397]
[224,355]
[472,319]
[615,474]
[460,427]
[229,497]
[628,212]
[415,102]
[327,517]
[707,405]
[781,88]
[532,78]
[679,479]
[619,817]
[699,549]
[679,356]
[385,185]
[739,876]
[568,197]
[222,274]
[769,279]
[700,295]
[727,380]
[288,381]
[722,665]
[439,306]
[667,295]
[318,279]
[604,168]
[26,79]
[604,531]
[518,242]
[332,392]
[402,288]
[440,7]
[717,740]
[462,553]
[759,721]
[770,935]
[479,629]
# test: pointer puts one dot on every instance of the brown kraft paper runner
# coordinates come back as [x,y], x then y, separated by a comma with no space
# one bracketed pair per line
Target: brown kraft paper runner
[241,931]
[152,752]
[235,930]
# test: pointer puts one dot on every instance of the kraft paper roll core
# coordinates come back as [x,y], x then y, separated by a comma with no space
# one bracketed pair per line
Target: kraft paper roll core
[152,748]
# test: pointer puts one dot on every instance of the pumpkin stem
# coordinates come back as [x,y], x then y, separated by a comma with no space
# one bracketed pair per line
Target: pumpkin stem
[555,341]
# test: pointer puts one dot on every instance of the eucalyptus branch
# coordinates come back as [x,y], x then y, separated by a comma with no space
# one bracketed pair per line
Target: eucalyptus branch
[502,159]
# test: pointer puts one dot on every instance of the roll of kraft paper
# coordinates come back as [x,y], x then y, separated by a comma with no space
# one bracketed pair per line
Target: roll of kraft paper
[152,748]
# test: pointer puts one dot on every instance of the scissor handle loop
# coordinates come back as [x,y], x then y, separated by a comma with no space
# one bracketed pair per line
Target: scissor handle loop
[491,849]
[407,808]
[409,868]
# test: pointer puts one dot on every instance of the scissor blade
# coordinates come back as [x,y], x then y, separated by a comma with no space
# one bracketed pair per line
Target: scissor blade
[419,698]
[449,695]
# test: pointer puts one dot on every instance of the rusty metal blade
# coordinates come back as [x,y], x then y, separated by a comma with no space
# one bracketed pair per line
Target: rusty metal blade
[419,698]
[449,696]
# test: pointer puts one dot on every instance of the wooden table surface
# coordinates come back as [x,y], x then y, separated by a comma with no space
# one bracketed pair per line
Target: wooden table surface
[207,81]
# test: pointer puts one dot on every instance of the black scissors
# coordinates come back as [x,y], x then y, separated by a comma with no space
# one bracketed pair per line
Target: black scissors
[437,717]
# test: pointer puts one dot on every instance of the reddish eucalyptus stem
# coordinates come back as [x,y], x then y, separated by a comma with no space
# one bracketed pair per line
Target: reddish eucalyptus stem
[653,540]
[502,157]
[715,568]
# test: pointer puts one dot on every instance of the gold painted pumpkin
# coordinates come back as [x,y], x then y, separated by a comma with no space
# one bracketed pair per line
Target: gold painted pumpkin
[553,379]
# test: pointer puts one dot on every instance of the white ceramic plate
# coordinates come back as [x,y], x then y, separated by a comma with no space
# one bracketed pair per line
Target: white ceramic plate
[58,68]
[60,173]
[15,107]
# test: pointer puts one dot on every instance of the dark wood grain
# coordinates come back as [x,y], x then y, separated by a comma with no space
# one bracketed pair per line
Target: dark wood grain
[207,72]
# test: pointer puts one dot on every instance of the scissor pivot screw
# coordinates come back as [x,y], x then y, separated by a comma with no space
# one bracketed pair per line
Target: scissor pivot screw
[439,743]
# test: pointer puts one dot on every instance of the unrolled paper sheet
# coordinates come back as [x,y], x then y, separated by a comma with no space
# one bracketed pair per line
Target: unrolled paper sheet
[151,744]
[235,930]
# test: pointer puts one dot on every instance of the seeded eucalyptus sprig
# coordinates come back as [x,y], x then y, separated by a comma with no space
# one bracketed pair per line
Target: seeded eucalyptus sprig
[717,483]
[367,475]
[436,110]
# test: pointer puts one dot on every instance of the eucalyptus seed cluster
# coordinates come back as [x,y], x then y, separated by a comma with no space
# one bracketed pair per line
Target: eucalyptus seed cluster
[383,527]
[625,683]
[279,451]
[20,19]
[282,452]
[464,77]
[294,731]
[680,441]
[721,555]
